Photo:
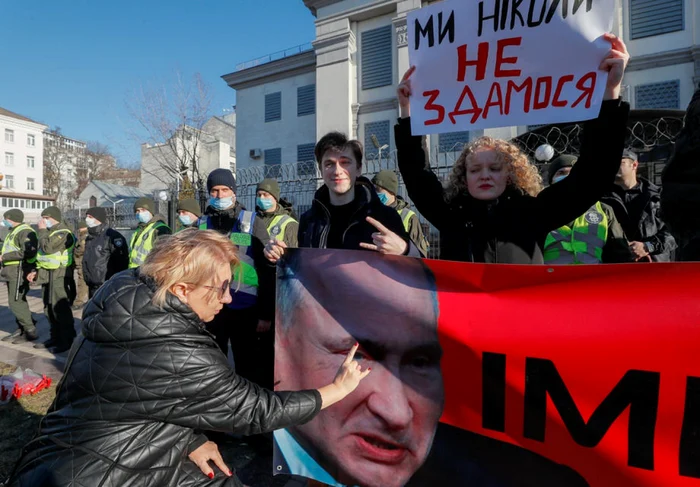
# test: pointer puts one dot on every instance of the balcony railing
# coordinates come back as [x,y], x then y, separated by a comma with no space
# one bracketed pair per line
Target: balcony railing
[275,56]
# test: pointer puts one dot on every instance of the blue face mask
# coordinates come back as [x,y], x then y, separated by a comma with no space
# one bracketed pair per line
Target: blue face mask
[265,203]
[559,178]
[144,216]
[7,224]
[49,223]
[185,220]
[383,198]
[221,203]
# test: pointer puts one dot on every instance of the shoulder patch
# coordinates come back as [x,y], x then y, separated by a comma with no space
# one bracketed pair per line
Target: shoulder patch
[118,242]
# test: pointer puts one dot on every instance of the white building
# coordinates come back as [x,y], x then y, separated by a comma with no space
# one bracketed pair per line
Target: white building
[212,147]
[346,79]
[22,159]
[62,156]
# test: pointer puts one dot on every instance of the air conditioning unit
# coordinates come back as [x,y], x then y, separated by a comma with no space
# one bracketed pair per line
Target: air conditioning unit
[255,153]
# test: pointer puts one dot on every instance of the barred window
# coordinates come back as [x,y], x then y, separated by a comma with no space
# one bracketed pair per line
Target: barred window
[658,95]
[273,162]
[306,161]
[453,141]
[376,57]
[306,100]
[273,107]
[655,17]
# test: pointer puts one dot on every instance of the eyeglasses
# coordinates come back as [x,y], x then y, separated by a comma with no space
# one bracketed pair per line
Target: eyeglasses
[222,289]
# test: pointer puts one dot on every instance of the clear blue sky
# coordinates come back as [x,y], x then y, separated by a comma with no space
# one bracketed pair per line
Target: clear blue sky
[72,63]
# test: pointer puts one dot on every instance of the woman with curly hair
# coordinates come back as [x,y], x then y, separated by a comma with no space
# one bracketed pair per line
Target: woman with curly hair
[493,208]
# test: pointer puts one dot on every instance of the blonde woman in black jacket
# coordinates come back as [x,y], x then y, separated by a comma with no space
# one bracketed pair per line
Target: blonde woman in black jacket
[145,376]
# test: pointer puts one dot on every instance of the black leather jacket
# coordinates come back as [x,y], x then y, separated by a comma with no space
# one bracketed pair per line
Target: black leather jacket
[137,385]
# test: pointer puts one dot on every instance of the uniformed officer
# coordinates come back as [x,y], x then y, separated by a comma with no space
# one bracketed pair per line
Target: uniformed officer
[81,288]
[279,218]
[188,213]
[151,226]
[106,252]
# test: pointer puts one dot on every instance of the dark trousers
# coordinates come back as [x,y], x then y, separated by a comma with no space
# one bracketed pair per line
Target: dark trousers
[253,352]
[58,293]
[19,306]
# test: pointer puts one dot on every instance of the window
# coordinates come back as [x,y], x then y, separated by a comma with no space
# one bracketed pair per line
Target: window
[9,181]
[381,131]
[33,205]
[655,17]
[658,95]
[453,142]
[306,100]
[21,203]
[273,163]
[9,159]
[30,162]
[306,160]
[4,202]
[273,107]
[31,141]
[376,58]
[9,136]
[30,184]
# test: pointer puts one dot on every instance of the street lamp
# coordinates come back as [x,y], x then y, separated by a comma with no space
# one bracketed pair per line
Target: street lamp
[114,207]
[379,148]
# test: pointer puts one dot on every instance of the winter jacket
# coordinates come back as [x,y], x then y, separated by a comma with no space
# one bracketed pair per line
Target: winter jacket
[138,383]
[680,198]
[223,221]
[646,227]
[106,253]
[513,228]
[415,230]
[291,230]
[315,223]
[28,243]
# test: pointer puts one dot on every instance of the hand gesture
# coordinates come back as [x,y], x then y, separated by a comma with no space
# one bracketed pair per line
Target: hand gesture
[31,277]
[202,455]
[404,92]
[385,241]
[41,224]
[274,250]
[614,63]
[350,372]
[639,250]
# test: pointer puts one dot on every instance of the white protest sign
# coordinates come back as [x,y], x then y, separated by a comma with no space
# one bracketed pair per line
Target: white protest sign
[497,63]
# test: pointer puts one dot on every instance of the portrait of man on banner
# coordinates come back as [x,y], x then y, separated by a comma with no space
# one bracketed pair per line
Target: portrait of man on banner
[327,301]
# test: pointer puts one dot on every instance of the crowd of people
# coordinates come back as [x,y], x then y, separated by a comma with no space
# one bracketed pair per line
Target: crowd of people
[168,303]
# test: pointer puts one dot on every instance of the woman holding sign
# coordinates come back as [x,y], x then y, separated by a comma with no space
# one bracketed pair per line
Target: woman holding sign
[493,208]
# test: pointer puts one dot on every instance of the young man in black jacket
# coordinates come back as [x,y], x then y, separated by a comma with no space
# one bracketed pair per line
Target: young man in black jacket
[636,202]
[346,212]
[106,252]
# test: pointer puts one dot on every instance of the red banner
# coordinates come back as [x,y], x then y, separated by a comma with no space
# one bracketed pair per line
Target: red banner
[579,375]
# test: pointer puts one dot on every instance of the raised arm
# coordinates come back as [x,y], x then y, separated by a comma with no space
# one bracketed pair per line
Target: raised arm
[423,186]
[602,143]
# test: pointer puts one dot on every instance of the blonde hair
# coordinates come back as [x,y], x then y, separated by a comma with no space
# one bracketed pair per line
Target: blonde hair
[191,256]
[522,174]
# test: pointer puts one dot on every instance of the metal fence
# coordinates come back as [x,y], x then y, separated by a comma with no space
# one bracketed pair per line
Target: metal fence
[650,133]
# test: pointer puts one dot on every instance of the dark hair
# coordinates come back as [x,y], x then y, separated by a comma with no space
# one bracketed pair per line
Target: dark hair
[337,141]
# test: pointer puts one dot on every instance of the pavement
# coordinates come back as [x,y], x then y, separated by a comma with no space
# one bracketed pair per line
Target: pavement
[253,464]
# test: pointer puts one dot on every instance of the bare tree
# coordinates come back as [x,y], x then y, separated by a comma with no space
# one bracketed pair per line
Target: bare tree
[59,161]
[170,123]
[97,162]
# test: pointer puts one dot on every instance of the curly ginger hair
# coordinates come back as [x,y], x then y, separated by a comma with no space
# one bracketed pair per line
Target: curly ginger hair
[522,174]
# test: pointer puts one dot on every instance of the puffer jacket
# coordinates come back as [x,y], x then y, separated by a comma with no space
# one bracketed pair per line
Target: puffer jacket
[646,227]
[105,253]
[138,383]
[513,228]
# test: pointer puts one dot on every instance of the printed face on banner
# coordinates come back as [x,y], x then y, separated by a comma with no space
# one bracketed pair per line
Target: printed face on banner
[499,63]
[381,433]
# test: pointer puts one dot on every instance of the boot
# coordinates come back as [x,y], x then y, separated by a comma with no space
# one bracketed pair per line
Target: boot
[46,344]
[15,334]
[60,347]
[28,336]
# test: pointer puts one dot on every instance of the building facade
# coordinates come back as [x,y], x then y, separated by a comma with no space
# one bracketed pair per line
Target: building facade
[360,53]
[63,158]
[197,151]
[22,162]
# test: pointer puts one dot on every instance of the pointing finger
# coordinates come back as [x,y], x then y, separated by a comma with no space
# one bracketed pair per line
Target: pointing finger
[377,225]
[408,73]
[351,353]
